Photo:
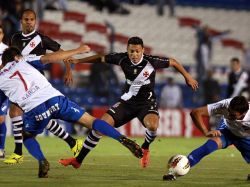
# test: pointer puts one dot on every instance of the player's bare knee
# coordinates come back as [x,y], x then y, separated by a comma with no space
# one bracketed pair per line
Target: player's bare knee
[109,119]
[15,111]
[152,127]
[2,119]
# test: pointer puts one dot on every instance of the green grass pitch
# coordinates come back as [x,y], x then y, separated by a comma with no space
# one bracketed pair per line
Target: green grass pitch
[110,164]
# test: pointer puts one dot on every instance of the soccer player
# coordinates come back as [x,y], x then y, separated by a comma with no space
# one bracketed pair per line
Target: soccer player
[234,129]
[138,99]
[3,102]
[30,90]
[29,41]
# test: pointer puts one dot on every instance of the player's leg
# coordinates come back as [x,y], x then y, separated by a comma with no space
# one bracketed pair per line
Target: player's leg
[17,122]
[98,125]
[106,129]
[34,149]
[2,136]
[151,122]
[243,145]
[196,155]
[4,104]
[210,146]
[58,131]
[93,139]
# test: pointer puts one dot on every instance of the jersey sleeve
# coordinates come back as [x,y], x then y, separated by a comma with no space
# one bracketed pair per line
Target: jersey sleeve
[158,62]
[115,58]
[50,44]
[35,61]
[219,108]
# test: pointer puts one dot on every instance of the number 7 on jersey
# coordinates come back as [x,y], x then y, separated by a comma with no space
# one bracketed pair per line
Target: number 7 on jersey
[17,73]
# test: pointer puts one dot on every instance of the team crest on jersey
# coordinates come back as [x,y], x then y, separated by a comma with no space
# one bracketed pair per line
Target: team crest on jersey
[32,44]
[145,74]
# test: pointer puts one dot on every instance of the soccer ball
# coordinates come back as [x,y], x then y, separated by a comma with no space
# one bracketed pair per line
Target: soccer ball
[178,165]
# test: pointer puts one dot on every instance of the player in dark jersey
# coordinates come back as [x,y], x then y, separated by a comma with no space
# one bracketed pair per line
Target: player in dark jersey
[138,99]
[29,41]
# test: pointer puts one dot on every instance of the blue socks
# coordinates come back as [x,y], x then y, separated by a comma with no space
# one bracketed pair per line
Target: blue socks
[106,129]
[196,155]
[2,135]
[34,148]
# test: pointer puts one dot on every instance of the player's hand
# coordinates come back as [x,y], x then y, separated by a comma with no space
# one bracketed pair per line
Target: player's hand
[68,78]
[213,133]
[192,83]
[83,49]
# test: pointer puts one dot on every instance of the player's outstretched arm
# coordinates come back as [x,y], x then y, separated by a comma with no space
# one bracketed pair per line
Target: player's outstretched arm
[60,55]
[91,59]
[188,78]
[197,115]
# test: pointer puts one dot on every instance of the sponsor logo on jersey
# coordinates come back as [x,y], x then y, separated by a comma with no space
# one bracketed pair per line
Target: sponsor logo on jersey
[48,112]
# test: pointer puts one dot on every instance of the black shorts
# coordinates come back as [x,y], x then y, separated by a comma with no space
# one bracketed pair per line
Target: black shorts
[123,112]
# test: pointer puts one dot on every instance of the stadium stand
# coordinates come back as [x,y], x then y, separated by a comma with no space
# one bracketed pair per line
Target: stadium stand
[173,37]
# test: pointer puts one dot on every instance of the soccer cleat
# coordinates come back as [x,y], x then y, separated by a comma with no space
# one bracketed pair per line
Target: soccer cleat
[70,161]
[14,159]
[169,177]
[248,177]
[146,158]
[132,146]
[77,148]
[2,153]
[43,169]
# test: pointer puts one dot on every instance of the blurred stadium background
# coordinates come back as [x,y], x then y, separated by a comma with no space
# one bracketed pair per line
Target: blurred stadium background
[163,35]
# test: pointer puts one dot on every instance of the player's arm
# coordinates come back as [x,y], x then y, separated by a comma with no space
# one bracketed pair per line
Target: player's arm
[197,115]
[99,58]
[188,78]
[60,55]
[68,77]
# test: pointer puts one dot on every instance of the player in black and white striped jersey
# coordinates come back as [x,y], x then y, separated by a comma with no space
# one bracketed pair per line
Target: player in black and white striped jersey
[138,99]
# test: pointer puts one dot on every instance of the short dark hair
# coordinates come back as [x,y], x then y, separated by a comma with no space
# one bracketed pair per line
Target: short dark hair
[9,55]
[235,59]
[27,10]
[135,41]
[239,104]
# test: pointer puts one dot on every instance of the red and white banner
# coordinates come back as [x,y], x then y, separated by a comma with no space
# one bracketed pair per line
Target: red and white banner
[173,123]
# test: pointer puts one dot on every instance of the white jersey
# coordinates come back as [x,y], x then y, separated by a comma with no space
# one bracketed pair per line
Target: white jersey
[240,128]
[25,85]
[2,48]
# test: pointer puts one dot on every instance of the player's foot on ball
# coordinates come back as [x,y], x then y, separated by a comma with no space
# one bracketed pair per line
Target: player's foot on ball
[77,148]
[248,177]
[146,158]
[14,159]
[70,161]
[169,177]
[43,169]
[132,146]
